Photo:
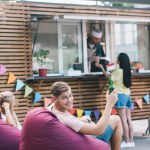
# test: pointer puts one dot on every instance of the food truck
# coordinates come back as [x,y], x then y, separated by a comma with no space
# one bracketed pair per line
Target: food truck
[63,29]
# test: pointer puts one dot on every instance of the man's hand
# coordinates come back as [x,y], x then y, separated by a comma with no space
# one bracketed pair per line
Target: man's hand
[112,98]
[95,58]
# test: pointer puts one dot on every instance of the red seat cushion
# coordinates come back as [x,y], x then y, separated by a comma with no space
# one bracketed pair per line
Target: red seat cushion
[43,131]
[9,137]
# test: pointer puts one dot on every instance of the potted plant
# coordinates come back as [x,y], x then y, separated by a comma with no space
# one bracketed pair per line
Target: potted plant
[40,57]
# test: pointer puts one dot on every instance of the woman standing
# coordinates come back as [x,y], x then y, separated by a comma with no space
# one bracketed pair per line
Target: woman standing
[122,81]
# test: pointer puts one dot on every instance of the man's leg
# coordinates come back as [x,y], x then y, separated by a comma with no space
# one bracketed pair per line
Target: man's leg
[116,138]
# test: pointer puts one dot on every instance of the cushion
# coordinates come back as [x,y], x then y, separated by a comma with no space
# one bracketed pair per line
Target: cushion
[9,137]
[42,131]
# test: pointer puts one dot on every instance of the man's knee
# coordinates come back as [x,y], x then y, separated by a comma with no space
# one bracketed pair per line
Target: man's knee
[115,121]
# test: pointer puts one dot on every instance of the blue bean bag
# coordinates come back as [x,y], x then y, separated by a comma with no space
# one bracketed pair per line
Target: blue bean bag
[9,137]
[42,131]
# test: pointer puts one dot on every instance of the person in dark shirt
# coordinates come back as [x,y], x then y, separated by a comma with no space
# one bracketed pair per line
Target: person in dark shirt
[95,50]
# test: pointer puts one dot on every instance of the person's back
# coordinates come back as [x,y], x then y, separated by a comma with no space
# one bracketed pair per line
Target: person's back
[117,77]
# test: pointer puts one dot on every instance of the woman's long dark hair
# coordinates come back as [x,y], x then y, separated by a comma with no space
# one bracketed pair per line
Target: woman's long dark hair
[124,63]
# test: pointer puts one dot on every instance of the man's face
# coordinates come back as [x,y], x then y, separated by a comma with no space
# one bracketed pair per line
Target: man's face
[96,40]
[64,102]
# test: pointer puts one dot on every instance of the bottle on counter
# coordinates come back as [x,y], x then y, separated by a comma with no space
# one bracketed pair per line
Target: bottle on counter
[111,86]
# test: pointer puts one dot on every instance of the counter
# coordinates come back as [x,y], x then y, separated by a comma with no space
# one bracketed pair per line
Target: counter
[89,91]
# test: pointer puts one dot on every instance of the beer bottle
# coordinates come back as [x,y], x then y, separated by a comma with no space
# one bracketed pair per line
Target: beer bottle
[111,86]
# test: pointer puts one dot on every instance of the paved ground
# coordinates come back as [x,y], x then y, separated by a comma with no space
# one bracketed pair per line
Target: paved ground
[140,126]
[141,142]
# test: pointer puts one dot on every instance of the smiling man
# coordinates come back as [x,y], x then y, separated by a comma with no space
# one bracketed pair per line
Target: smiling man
[108,128]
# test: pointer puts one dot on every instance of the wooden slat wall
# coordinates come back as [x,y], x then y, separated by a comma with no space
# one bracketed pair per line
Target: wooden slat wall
[15,50]
[16,55]
[86,92]
[51,9]
[140,87]
[88,96]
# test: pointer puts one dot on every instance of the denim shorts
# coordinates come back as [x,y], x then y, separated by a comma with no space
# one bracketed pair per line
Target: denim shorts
[106,136]
[124,101]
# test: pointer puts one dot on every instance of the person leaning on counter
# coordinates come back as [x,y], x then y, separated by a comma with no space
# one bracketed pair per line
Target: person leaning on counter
[95,50]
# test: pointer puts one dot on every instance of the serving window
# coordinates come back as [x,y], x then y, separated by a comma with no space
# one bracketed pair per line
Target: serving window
[66,41]
[63,40]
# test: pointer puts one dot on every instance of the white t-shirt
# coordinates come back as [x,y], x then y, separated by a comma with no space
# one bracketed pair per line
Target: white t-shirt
[66,118]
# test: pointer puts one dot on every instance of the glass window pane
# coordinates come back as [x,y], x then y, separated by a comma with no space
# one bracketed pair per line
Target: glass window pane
[128,27]
[128,37]
[46,38]
[70,46]
[117,28]
[136,45]
[118,34]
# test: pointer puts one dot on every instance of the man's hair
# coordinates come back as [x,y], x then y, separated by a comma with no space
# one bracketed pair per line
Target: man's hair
[58,87]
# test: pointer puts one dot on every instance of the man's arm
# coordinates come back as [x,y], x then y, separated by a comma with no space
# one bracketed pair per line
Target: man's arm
[99,128]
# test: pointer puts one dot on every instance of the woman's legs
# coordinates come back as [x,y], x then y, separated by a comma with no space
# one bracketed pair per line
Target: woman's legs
[123,115]
[128,112]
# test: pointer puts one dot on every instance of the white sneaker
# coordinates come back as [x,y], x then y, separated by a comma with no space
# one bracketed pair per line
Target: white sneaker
[132,144]
[125,145]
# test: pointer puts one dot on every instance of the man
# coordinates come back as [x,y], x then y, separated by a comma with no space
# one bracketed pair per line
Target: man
[107,128]
[95,50]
